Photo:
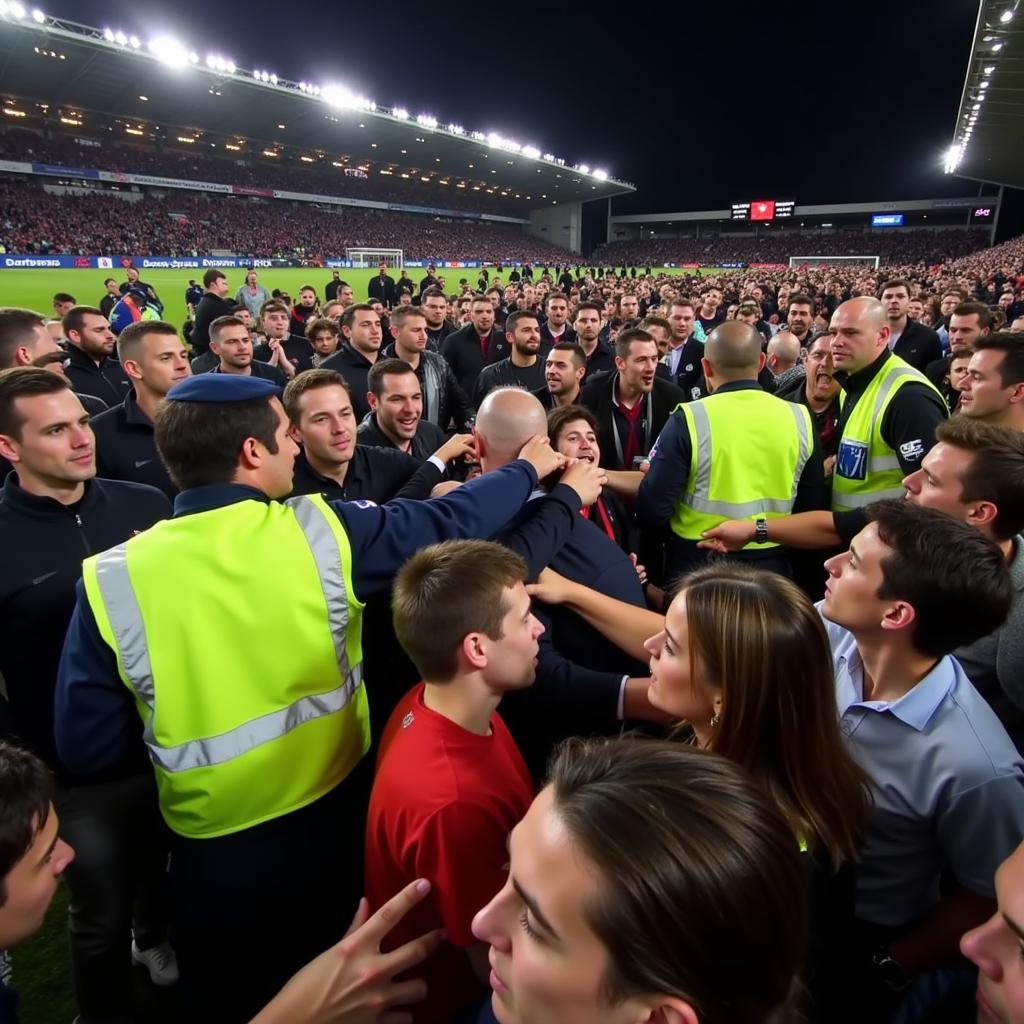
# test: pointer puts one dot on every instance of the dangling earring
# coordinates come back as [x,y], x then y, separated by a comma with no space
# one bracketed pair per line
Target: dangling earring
[715,719]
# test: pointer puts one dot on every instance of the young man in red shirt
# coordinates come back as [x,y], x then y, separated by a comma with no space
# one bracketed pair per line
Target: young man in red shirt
[451,783]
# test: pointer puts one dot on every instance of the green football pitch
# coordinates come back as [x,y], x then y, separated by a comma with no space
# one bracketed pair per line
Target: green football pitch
[34,289]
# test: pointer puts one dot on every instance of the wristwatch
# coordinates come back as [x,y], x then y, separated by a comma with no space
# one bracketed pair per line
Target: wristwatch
[761,530]
[891,973]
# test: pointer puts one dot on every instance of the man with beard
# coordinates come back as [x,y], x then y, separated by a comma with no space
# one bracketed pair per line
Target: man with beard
[91,367]
[231,344]
[435,308]
[396,417]
[818,390]
[800,317]
[523,368]
[556,328]
[563,370]
[361,331]
[290,353]
[599,354]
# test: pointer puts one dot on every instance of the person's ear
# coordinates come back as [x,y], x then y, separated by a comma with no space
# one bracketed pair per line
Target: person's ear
[899,615]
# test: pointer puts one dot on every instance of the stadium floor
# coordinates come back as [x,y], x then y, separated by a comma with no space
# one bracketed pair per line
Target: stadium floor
[34,289]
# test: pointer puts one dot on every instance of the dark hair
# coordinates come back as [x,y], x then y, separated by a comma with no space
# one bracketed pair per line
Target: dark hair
[212,275]
[579,357]
[107,281]
[24,382]
[656,321]
[383,368]
[477,297]
[679,836]
[447,590]
[74,318]
[310,380]
[564,414]
[985,316]
[896,282]
[129,340]
[63,297]
[954,577]
[26,789]
[273,306]
[433,292]
[556,295]
[512,320]
[996,472]
[1011,344]
[200,441]
[402,313]
[625,339]
[757,636]
[16,329]
[218,325]
[597,307]
[799,299]
[317,324]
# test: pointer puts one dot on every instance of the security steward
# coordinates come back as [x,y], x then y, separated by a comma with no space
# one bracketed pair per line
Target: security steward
[889,410]
[739,453]
[154,359]
[233,630]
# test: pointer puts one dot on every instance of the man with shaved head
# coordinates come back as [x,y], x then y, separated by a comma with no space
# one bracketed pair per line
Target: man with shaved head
[584,684]
[738,453]
[889,409]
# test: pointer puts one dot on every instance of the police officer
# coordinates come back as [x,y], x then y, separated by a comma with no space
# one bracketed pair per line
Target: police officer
[234,629]
[154,359]
[739,453]
[889,410]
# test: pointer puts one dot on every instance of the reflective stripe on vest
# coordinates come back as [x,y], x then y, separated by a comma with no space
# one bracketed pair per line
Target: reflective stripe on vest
[126,621]
[700,499]
[882,473]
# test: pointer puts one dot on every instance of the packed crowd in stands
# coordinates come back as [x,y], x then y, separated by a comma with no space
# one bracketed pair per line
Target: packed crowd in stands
[186,224]
[286,172]
[774,246]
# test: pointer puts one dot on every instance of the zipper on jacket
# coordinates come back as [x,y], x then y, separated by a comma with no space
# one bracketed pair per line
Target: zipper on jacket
[84,536]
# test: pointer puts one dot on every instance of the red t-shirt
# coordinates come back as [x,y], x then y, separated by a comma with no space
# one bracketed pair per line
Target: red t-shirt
[443,803]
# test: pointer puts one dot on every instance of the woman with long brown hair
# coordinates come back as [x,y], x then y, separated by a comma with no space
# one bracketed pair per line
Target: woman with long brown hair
[742,659]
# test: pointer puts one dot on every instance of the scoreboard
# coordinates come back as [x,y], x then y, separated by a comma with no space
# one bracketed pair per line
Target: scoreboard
[763,209]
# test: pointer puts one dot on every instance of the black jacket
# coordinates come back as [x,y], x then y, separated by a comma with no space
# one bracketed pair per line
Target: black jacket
[126,448]
[601,360]
[355,368]
[296,347]
[210,307]
[383,288]
[689,370]
[107,381]
[44,543]
[465,356]
[918,345]
[427,440]
[262,370]
[374,474]
[434,338]
[547,339]
[444,402]
[599,397]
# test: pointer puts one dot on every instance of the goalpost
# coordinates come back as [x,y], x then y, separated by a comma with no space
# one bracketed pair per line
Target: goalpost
[375,257]
[833,261]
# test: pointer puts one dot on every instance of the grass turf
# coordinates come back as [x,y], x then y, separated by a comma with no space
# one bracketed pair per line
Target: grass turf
[34,289]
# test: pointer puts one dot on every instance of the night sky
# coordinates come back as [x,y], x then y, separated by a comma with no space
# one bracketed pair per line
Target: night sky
[700,105]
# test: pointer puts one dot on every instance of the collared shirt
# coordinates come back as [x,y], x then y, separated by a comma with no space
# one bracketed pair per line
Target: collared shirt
[948,786]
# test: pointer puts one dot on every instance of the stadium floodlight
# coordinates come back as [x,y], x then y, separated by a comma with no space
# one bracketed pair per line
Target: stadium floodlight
[120,38]
[426,120]
[273,77]
[550,157]
[953,156]
[997,47]
[17,10]
[108,33]
[600,174]
[983,85]
[532,152]
[456,129]
[193,57]
[583,168]
[338,96]
[1006,16]
[169,51]
[38,17]
[479,136]
[401,113]
[135,42]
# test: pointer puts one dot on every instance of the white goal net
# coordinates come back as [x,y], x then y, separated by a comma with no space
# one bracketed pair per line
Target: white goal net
[375,257]
[833,261]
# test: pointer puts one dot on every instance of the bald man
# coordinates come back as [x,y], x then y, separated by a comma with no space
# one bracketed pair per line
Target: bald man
[889,410]
[739,453]
[584,684]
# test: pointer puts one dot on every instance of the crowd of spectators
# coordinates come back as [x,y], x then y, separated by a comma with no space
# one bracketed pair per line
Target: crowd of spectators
[923,245]
[33,220]
[286,171]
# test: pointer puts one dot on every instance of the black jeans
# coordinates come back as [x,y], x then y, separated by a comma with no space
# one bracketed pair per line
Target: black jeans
[118,882]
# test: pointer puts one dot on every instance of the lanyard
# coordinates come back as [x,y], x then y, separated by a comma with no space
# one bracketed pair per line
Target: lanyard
[645,424]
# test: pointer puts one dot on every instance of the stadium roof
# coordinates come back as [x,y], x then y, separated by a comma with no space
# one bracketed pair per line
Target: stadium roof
[77,68]
[988,138]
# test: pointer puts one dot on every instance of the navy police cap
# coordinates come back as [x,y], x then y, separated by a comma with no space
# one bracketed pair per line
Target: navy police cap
[222,387]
